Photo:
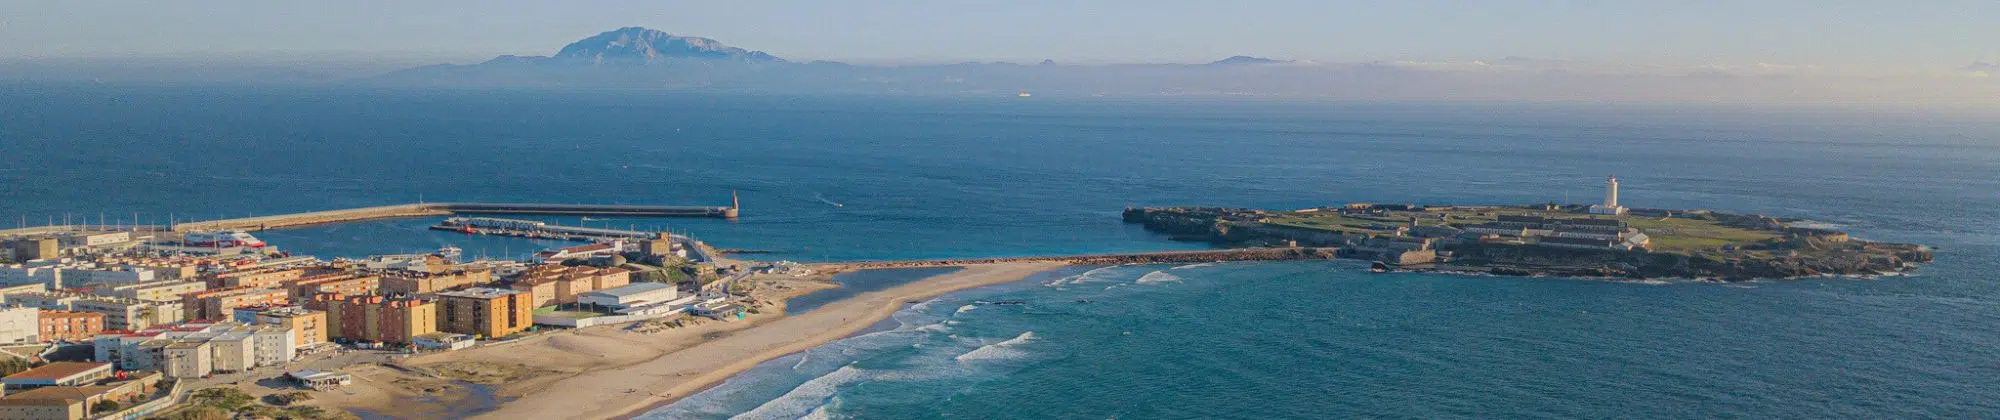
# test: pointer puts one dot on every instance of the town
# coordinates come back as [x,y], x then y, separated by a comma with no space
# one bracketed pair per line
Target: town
[132,321]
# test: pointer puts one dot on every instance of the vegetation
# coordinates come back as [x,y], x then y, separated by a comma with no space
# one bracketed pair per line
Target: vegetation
[228,399]
[12,365]
[228,403]
[1681,235]
[288,398]
[106,406]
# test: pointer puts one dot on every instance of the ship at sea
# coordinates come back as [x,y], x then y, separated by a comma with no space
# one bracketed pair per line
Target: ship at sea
[223,239]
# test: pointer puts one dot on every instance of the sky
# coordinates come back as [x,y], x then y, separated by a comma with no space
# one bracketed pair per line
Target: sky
[1834,36]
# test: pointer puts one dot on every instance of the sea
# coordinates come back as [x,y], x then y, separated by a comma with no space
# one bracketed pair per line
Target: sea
[867,177]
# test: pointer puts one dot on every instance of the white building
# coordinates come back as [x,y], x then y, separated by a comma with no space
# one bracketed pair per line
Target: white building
[17,274]
[234,351]
[629,296]
[197,348]
[1610,205]
[57,300]
[275,346]
[129,314]
[19,324]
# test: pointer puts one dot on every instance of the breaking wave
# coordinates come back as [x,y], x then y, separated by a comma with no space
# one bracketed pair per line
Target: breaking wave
[807,397]
[1157,277]
[1004,350]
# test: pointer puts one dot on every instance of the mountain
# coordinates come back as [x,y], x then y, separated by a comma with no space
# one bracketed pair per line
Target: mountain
[636,45]
[637,58]
[1244,60]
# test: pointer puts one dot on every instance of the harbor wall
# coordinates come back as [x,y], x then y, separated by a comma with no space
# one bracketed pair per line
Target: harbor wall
[446,209]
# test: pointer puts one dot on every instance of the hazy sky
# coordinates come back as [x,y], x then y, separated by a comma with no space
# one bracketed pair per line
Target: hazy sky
[1837,35]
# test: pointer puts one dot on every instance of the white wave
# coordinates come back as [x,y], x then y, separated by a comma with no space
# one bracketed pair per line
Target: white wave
[1080,278]
[938,327]
[807,397]
[999,351]
[1157,277]
[820,413]
[803,356]
[1193,266]
[964,309]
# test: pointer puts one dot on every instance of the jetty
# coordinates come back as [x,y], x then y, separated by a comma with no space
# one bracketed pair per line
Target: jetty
[451,209]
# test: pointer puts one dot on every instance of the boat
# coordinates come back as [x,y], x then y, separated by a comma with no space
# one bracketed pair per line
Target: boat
[223,239]
[450,252]
[1025,94]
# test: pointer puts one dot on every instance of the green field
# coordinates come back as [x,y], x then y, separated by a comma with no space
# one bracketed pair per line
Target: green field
[1678,235]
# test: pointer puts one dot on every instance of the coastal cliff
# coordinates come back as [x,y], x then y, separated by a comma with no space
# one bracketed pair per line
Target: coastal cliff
[1545,240]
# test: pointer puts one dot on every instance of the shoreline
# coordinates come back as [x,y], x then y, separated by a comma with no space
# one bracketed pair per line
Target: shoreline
[632,390]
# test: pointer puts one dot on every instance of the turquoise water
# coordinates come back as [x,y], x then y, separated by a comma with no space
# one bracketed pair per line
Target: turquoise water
[935,177]
[1330,340]
[863,281]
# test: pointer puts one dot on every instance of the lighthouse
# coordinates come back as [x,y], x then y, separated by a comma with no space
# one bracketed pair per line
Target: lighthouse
[1610,205]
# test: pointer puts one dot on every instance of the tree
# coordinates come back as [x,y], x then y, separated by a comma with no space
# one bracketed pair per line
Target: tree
[13,365]
[106,406]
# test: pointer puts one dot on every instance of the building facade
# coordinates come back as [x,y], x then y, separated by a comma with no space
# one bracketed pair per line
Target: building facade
[159,291]
[380,319]
[485,312]
[19,324]
[215,305]
[69,326]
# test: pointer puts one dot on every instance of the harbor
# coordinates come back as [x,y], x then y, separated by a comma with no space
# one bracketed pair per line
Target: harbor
[535,229]
[453,209]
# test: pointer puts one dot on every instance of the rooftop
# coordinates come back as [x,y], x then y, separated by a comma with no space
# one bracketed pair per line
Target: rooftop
[58,371]
[481,293]
[633,289]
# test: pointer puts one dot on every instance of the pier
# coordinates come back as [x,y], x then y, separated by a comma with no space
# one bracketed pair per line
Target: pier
[449,209]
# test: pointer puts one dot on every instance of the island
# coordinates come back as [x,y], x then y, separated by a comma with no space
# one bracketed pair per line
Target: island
[1601,240]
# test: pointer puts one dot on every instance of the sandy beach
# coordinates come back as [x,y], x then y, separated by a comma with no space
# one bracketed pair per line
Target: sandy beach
[607,372]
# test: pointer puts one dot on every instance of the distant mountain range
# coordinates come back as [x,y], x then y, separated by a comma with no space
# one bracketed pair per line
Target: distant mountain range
[637,58]
[642,58]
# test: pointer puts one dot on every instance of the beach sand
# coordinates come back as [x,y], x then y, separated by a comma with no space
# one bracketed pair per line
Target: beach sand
[630,389]
[607,372]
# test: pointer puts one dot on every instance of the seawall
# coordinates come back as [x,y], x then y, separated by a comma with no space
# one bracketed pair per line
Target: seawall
[445,209]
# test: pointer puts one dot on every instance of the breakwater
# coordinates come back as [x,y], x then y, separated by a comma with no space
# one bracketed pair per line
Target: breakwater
[446,209]
[1240,254]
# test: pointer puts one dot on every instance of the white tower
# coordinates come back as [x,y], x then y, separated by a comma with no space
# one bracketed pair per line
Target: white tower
[1610,205]
[1611,191]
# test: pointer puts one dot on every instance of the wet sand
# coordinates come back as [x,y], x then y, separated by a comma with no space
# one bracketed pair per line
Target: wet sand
[617,376]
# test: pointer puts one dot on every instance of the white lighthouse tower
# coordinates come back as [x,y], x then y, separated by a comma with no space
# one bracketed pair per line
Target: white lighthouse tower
[1610,205]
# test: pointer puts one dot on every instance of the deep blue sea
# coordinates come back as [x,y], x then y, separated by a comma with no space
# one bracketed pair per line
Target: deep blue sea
[922,177]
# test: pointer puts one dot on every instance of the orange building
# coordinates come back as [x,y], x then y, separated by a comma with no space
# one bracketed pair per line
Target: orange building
[413,282]
[554,284]
[341,283]
[485,311]
[380,319]
[69,326]
[308,326]
[216,305]
[258,278]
